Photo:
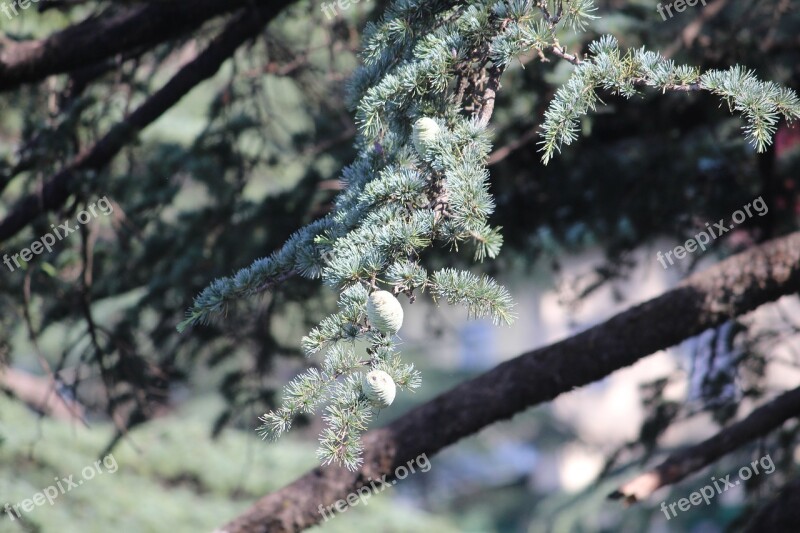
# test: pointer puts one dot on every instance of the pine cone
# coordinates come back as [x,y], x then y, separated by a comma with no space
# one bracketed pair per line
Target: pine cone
[379,388]
[384,312]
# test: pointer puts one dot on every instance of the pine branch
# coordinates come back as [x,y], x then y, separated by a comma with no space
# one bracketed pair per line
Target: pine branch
[707,299]
[422,100]
[480,295]
[408,188]
[760,103]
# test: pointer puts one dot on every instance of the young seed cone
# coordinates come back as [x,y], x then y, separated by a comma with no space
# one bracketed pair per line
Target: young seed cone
[379,388]
[384,312]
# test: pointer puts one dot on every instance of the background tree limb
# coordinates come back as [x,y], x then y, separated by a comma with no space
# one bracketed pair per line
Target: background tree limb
[56,189]
[98,38]
[39,394]
[685,462]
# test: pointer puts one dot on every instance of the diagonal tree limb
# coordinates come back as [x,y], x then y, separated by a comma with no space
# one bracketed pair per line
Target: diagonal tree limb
[708,299]
[766,418]
[38,392]
[98,38]
[56,189]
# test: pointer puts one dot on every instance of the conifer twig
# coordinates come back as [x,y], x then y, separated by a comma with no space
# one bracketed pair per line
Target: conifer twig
[707,299]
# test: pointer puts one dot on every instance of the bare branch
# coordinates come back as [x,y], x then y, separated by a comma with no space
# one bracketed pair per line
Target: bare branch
[679,465]
[95,39]
[56,190]
[41,394]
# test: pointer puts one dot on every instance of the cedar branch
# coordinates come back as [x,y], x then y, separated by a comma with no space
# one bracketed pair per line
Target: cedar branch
[708,299]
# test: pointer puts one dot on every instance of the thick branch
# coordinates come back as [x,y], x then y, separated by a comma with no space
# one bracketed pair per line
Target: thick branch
[56,190]
[490,94]
[731,288]
[99,38]
[679,465]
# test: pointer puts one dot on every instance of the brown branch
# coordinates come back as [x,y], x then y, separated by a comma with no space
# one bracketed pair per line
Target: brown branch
[39,392]
[489,96]
[505,151]
[730,288]
[685,462]
[566,56]
[53,399]
[56,190]
[99,38]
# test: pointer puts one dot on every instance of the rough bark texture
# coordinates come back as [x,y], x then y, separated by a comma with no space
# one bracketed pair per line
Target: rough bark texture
[56,189]
[731,288]
[766,418]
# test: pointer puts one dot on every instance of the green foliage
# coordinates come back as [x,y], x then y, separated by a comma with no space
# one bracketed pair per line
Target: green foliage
[243,162]
[608,68]
[408,190]
[761,103]
[396,203]
[482,296]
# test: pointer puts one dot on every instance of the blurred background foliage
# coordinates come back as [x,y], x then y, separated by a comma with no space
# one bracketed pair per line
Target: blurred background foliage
[250,156]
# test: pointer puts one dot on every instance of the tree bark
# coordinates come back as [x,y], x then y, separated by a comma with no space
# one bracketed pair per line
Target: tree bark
[766,418]
[56,189]
[708,299]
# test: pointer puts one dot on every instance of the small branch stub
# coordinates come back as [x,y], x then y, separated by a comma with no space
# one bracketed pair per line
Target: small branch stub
[384,312]
[379,388]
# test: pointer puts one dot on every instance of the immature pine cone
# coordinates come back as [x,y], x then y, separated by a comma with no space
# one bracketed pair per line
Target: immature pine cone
[379,388]
[384,312]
